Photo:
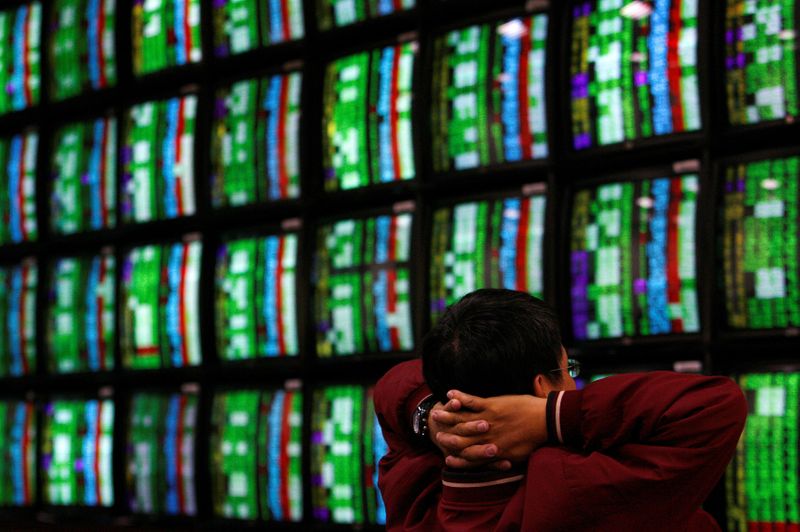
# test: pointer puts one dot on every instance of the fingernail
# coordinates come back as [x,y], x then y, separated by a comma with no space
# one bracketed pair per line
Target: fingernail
[491,451]
[483,426]
[450,394]
[435,415]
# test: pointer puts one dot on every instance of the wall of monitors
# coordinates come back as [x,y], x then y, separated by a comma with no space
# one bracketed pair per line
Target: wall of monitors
[244,25]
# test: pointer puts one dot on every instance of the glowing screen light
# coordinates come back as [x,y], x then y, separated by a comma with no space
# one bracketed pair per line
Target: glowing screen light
[166,34]
[77,463]
[760,224]
[255,145]
[363,286]
[256,455]
[161,306]
[18,188]
[763,478]
[18,439]
[244,25]
[82,56]
[487,244]
[633,261]
[346,446]
[367,118]
[256,297]
[161,453]
[337,13]
[18,319]
[81,318]
[633,78]
[158,160]
[20,57]
[488,96]
[761,60]
[84,174]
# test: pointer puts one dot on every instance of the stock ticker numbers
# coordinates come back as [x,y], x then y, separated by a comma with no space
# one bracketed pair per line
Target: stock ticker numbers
[18,214]
[166,34]
[18,318]
[18,439]
[20,57]
[244,25]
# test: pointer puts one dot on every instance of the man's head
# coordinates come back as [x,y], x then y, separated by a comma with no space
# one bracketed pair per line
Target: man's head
[496,342]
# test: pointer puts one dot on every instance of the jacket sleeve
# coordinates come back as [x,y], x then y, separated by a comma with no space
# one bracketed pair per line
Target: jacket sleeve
[650,444]
[410,473]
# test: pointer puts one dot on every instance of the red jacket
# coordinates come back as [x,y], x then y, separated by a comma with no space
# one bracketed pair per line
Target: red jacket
[640,452]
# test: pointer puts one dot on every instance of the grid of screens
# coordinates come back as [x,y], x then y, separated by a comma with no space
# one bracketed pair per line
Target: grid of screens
[256,455]
[363,286]
[158,160]
[82,47]
[633,262]
[255,153]
[84,176]
[346,445]
[763,478]
[491,243]
[244,25]
[367,118]
[760,60]
[337,13]
[256,297]
[17,453]
[633,75]
[20,57]
[166,34]
[77,452]
[489,94]
[760,224]
[81,318]
[160,306]
[18,188]
[160,453]
[18,319]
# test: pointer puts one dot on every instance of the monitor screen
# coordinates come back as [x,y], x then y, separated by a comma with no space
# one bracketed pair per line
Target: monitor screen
[161,306]
[255,144]
[158,160]
[17,453]
[18,319]
[633,264]
[20,57]
[346,446]
[77,454]
[256,455]
[82,57]
[488,94]
[81,318]
[18,188]
[244,25]
[633,71]
[763,478]
[363,286]
[84,176]
[759,243]
[367,118]
[256,297]
[160,453]
[761,77]
[489,243]
[166,34]
[338,13]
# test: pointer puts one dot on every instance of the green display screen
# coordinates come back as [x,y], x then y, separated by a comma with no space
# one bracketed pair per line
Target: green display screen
[77,453]
[367,121]
[166,34]
[763,479]
[18,319]
[18,216]
[20,57]
[18,438]
[256,455]
[81,319]
[82,55]
[255,145]
[244,25]
[84,176]
[760,223]
[337,13]
[363,286]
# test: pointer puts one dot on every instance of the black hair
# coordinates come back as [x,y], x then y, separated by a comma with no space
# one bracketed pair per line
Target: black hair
[492,342]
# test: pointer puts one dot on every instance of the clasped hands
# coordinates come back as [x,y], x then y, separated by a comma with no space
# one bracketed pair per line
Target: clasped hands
[495,432]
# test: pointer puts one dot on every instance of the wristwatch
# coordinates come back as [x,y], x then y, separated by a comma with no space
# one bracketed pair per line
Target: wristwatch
[419,420]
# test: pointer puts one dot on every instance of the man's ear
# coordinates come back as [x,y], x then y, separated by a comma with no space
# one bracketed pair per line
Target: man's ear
[541,387]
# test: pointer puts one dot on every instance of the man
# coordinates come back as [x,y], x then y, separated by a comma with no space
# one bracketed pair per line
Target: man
[512,445]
